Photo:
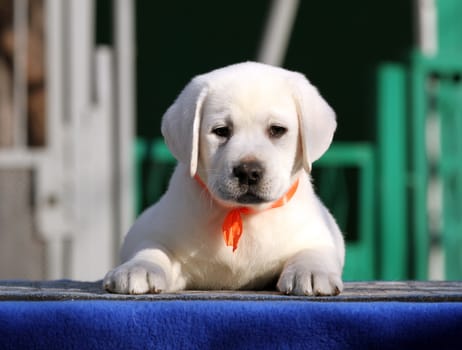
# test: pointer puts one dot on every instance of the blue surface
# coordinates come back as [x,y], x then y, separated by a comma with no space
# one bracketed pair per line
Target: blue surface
[229,324]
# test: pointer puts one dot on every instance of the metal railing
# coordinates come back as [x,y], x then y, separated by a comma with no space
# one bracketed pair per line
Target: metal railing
[82,174]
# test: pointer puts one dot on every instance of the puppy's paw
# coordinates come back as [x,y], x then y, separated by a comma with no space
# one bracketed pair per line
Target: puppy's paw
[306,274]
[136,277]
[306,282]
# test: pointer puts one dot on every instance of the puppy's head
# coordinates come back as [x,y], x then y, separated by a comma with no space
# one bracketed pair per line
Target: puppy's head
[247,130]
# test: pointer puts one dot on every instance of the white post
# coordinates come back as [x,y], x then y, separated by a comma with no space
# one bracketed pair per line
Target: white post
[124,18]
[277,32]
[89,147]
[427,24]
[21,32]
[50,193]
[93,240]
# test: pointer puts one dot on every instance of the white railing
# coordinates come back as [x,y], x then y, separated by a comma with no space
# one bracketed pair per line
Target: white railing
[83,182]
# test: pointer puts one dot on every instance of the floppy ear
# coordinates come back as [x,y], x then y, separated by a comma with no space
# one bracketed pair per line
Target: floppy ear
[316,119]
[181,123]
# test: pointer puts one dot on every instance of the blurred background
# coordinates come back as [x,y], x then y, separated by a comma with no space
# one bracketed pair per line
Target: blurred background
[84,84]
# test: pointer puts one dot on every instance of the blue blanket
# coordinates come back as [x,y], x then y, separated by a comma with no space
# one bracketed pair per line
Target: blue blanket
[232,324]
[367,315]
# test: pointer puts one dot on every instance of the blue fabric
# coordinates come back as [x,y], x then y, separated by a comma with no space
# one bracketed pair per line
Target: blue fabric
[229,324]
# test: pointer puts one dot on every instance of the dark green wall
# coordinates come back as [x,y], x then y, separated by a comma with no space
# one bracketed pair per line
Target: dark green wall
[179,39]
[337,44]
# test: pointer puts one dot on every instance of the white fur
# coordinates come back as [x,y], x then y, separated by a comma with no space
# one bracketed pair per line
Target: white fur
[178,244]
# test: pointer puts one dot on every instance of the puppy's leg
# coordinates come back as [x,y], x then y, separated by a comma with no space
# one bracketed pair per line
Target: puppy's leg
[312,272]
[149,271]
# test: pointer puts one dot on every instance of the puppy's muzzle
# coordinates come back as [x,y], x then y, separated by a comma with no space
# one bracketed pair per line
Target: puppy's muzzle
[248,176]
[248,173]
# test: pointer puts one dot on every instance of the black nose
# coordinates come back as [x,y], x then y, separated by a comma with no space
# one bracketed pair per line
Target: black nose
[248,173]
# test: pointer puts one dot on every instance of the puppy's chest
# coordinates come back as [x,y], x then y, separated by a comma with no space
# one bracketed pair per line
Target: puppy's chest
[259,258]
[233,271]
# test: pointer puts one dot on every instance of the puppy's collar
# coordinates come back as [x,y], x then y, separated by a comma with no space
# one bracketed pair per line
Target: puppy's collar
[232,224]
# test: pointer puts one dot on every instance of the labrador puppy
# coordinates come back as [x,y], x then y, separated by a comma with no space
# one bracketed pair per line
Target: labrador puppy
[240,210]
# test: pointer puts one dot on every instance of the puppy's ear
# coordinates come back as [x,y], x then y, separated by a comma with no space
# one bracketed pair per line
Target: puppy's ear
[181,123]
[316,119]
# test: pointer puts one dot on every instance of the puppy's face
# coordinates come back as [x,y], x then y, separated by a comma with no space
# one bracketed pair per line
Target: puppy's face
[247,129]
[249,148]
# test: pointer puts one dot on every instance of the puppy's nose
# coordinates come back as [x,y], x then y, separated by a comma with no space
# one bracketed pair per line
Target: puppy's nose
[248,173]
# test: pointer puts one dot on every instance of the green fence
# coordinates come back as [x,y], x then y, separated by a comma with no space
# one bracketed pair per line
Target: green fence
[436,93]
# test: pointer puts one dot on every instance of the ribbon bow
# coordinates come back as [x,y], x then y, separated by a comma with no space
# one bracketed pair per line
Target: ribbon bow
[232,224]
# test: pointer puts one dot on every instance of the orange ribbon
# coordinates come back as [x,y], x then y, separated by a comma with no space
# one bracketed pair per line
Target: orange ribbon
[232,224]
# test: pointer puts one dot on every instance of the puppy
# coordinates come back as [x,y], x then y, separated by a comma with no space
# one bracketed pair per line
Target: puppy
[240,210]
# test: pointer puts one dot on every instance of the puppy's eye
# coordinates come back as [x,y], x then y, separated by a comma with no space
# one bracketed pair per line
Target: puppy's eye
[276,131]
[222,131]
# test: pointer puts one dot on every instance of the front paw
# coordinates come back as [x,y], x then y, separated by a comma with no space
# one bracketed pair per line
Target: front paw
[136,277]
[309,274]
[306,282]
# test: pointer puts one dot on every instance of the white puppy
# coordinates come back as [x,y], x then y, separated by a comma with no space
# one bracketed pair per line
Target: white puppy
[245,137]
